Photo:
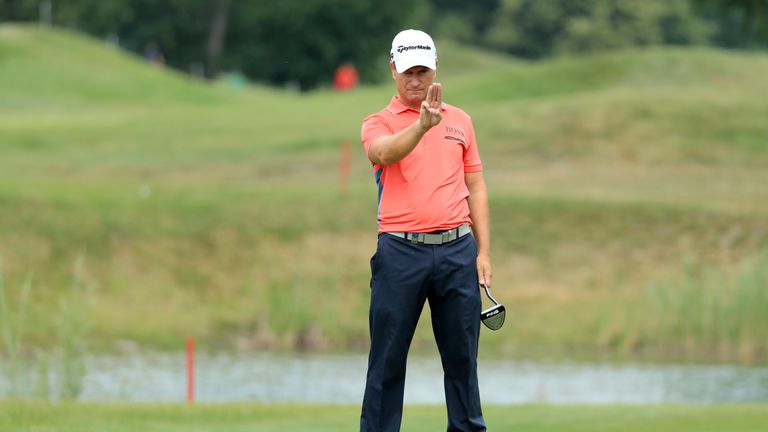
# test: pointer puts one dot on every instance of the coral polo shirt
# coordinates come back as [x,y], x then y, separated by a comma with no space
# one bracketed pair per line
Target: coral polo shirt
[425,191]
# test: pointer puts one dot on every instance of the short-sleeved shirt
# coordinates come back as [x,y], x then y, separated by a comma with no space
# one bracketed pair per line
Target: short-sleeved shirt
[425,191]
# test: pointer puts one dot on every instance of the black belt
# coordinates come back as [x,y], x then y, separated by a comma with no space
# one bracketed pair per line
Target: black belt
[435,238]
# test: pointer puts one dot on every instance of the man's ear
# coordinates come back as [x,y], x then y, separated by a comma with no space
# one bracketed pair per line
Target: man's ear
[392,69]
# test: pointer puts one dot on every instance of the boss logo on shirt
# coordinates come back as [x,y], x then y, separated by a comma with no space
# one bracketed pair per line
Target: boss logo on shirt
[455,134]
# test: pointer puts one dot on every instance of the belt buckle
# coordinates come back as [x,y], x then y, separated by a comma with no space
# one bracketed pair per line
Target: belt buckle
[414,238]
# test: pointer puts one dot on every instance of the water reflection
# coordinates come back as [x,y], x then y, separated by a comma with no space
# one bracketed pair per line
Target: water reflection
[340,379]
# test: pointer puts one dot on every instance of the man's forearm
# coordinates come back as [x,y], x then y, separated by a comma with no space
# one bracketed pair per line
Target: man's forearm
[479,213]
[389,149]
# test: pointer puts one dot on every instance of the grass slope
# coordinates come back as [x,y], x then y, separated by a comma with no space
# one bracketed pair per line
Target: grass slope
[62,68]
[256,418]
[200,209]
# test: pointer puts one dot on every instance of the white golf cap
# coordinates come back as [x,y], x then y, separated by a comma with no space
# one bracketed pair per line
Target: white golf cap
[413,48]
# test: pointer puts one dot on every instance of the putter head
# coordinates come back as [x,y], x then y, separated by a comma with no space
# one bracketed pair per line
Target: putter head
[493,317]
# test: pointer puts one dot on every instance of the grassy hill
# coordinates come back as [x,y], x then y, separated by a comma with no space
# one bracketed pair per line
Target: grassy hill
[628,197]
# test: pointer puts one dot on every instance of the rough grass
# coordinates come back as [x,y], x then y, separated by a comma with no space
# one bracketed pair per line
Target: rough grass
[205,210]
[259,418]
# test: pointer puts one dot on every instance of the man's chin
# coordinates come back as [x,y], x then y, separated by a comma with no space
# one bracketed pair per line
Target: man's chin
[414,99]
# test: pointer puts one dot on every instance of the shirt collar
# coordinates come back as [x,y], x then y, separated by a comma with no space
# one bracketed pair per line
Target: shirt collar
[397,107]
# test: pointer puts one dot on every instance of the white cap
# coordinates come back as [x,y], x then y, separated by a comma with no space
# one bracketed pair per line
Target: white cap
[413,48]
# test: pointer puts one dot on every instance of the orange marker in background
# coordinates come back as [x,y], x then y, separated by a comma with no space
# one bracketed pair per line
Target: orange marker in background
[345,78]
[190,369]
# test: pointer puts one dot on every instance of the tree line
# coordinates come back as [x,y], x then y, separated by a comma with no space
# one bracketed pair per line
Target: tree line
[301,42]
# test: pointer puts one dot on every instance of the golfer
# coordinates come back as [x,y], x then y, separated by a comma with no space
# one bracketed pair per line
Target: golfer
[432,198]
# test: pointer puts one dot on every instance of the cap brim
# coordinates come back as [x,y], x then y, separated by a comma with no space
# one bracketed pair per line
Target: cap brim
[404,64]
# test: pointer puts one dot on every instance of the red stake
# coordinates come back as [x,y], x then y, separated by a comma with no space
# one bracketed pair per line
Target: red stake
[190,369]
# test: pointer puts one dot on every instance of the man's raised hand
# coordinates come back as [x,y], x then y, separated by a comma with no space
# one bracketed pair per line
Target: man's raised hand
[430,113]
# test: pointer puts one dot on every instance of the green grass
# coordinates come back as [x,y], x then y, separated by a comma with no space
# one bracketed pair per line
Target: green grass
[200,209]
[259,418]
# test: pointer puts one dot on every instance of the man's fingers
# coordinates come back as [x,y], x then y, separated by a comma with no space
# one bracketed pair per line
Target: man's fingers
[438,93]
[484,272]
[437,116]
[430,95]
[430,115]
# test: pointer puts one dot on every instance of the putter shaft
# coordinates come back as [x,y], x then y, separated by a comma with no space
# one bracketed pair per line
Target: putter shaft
[488,293]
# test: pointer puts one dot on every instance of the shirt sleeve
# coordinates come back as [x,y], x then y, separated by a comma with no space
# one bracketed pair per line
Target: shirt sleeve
[472,162]
[374,126]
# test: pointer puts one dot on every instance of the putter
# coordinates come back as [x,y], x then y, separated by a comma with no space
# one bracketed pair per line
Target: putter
[493,317]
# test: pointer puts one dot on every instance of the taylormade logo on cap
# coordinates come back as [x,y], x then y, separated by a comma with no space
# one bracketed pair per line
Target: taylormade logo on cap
[413,48]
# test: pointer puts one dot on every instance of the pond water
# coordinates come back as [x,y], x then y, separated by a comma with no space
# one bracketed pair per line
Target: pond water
[339,379]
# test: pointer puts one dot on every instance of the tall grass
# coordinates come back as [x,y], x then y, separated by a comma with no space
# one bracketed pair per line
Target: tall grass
[711,310]
[12,322]
[72,334]
[27,369]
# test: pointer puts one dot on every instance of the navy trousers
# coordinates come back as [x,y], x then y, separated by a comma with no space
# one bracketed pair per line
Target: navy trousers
[403,276]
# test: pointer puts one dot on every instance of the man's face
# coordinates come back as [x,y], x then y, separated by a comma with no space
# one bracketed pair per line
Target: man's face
[412,84]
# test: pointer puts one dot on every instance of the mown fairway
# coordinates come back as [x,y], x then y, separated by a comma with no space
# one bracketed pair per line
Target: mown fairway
[255,418]
[205,210]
